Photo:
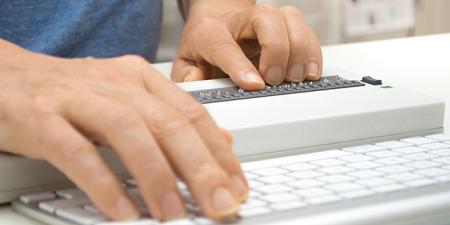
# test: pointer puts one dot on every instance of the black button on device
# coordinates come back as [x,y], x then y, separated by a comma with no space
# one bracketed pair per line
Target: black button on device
[371,80]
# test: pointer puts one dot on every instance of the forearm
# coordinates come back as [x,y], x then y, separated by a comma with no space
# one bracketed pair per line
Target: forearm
[213,7]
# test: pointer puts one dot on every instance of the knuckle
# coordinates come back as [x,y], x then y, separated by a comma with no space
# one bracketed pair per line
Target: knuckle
[72,150]
[195,111]
[124,118]
[268,7]
[292,10]
[166,122]
[203,171]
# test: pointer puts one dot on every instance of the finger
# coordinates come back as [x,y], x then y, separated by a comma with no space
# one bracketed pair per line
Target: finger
[72,154]
[266,23]
[225,53]
[315,65]
[299,43]
[129,136]
[205,127]
[183,71]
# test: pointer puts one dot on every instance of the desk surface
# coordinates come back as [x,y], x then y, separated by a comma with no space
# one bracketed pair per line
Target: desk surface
[419,63]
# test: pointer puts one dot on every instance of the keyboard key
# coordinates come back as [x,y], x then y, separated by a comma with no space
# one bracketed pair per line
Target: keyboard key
[254,184]
[357,158]
[252,203]
[394,169]
[392,160]
[253,212]
[422,164]
[435,146]
[364,148]
[276,179]
[365,173]
[383,153]
[91,208]
[323,200]
[306,174]
[356,194]
[373,182]
[52,206]
[433,172]
[131,183]
[80,216]
[70,193]
[136,222]
[440,137]
[393,144]
[336,178]
[249,175]
[288,205]
[269,171]
[179,222]
[403,177]
[421,182]
[34,198]
[365,165]
[410,150]
[389,188]
[443,160]
[328,162]
[441,152]
[299,167]
[203,221]
[344,187]
[182,185]
[444,178]
[273,188]
[420,156]
[312,192]
[419,140]
[253,194]
[279,198]
[306,183]
[336,169]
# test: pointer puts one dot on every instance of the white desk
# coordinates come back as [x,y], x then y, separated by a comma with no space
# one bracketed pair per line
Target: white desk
[421,64]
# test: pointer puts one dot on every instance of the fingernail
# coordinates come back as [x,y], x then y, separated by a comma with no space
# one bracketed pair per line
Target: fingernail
[171,206]
[313,71]
[240,187]
[224,202]
[126,209]
[296,73]
[274,75]
[252,77]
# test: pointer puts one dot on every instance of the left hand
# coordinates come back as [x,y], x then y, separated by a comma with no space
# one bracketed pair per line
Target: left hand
[277,40]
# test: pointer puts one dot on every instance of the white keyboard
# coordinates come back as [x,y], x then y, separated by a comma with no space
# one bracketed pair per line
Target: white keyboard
[296,183]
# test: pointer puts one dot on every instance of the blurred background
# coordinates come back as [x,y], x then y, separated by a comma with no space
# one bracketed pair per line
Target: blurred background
[340,21]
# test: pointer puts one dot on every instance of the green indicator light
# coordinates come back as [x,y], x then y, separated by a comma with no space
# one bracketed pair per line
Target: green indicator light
[386,87]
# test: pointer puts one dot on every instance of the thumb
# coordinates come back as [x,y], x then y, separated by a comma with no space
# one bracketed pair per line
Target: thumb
[183,71]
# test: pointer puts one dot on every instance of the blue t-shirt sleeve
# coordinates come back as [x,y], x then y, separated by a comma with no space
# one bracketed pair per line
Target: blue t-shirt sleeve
[79,28]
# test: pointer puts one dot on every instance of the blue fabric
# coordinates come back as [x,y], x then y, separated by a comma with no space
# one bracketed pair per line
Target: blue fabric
[79,28]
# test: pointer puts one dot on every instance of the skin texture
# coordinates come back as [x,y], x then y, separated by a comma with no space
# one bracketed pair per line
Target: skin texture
[254,44]
[54,109]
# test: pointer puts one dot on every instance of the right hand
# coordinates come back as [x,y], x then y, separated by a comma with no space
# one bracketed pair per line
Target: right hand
[50,108]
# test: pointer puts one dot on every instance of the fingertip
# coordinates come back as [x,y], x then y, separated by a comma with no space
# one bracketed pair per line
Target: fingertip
[313,71]
[251,81]
[194,74]
[126,211]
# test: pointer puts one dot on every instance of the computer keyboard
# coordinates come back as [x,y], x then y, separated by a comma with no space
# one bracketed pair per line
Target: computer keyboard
[293,183]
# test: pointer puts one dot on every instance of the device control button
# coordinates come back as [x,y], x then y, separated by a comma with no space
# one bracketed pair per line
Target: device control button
[371,80]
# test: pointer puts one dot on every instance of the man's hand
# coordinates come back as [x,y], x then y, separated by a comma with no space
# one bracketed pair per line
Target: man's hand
[51,109]
[237,37]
